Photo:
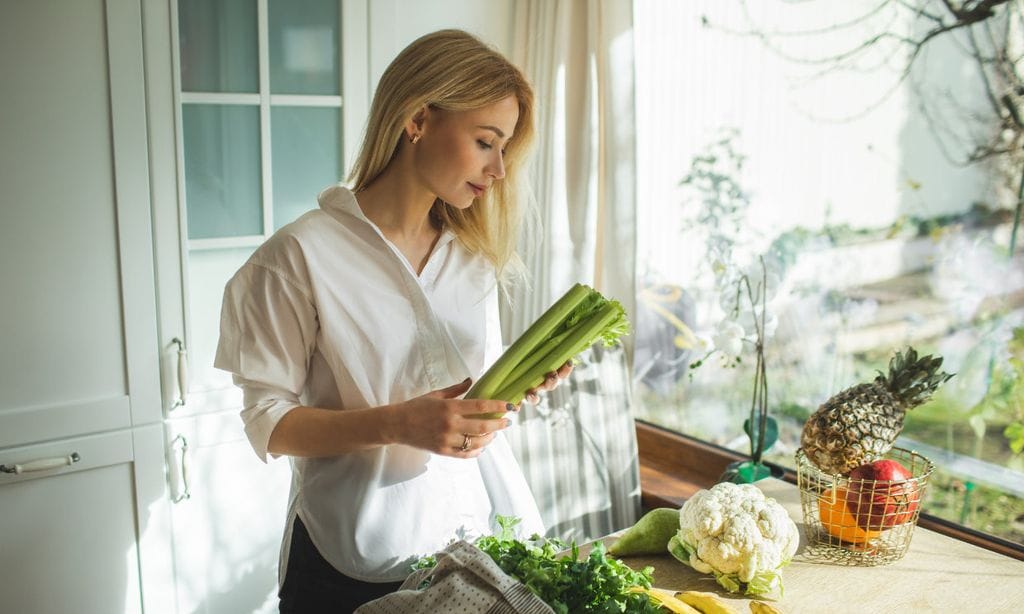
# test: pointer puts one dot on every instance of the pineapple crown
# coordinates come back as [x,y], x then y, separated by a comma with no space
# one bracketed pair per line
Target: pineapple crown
[911,379]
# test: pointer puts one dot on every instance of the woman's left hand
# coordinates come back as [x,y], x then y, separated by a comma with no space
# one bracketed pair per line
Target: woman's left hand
[551,381]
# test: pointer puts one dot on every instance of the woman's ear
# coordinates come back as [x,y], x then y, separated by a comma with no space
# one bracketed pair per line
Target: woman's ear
[415,124]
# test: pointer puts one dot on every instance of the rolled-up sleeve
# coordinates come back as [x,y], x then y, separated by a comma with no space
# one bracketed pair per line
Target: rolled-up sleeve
[263,409]
[268,332]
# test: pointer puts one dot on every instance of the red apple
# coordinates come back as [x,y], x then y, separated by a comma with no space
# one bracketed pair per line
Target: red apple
[882,495]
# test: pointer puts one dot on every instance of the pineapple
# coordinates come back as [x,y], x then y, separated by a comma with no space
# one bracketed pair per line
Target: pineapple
[861,423]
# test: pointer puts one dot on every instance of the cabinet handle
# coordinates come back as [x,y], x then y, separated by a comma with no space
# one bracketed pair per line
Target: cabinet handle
[42,464]
[182,373]
[181,485]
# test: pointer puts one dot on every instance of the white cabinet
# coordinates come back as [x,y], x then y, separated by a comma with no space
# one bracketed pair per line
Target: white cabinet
[71,534]
[78,366]
[75,249]
[227,532]
[100,275]
[75,547]
[245,127]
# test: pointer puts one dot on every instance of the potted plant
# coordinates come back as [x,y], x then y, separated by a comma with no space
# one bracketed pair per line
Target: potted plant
[761,428]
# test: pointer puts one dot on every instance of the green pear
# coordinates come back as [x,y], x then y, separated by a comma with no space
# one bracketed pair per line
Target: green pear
[649,535]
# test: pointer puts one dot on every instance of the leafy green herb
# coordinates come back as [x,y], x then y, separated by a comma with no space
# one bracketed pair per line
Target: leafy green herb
[598,583]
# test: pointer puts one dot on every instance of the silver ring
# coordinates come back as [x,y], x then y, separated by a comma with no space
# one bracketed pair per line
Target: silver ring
[465,443]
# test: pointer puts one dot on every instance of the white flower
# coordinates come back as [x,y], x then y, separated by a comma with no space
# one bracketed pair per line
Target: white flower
[728,338]
[746,320]
[757,277]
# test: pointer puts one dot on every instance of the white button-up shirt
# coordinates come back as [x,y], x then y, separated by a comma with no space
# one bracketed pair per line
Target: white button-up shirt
[328,313]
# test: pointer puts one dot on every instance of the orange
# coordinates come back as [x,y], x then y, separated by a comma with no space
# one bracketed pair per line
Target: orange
[839,522]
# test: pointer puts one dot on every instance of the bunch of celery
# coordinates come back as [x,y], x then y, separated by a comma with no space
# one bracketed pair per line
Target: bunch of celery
[576,321]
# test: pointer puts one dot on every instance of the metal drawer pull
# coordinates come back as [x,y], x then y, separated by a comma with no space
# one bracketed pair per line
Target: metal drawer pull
[181,487]
[182,373]
[42,464]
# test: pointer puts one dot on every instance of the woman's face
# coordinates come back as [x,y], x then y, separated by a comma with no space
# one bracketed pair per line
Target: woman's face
[461,153]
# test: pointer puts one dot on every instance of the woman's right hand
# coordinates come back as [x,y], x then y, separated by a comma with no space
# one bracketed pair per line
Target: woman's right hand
[440,422]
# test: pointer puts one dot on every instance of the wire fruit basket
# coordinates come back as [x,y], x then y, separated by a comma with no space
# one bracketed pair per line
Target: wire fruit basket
[859,521]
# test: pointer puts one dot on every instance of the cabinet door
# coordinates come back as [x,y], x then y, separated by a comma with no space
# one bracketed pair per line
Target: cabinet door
[75,250]
[257,128]
[246,125]
[69,542]
[228,517]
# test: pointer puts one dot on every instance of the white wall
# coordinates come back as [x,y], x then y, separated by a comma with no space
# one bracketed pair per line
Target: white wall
[396,23]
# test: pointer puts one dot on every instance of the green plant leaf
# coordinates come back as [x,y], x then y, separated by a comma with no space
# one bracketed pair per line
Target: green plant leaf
[771,432]
[1014,434]
[765,583]
[728,582]
[745,472]
[679,549]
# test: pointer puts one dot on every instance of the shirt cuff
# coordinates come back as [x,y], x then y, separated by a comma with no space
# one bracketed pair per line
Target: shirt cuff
[263,409]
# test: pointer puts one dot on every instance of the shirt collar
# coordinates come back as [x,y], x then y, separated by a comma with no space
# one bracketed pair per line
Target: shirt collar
[338,201]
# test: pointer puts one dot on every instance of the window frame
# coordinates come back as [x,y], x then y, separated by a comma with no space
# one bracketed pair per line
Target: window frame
[352,103]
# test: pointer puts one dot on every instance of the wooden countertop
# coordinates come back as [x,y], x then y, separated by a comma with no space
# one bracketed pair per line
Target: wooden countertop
[938,574]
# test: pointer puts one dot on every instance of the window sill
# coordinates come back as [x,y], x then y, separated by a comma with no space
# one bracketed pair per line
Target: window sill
[673,467]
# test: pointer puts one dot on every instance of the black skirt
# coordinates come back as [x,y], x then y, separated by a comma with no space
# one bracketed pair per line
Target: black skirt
[312,585]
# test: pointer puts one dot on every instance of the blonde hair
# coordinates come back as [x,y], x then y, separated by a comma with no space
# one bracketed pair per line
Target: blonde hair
[455,71]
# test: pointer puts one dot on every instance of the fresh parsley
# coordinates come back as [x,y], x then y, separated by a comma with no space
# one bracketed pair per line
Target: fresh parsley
[598,583]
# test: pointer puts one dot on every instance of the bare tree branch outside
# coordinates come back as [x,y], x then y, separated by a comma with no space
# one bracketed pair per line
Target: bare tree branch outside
[893,38]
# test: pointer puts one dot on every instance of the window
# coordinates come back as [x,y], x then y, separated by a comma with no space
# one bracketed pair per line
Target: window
[259,87]
[260,110]
[759,137]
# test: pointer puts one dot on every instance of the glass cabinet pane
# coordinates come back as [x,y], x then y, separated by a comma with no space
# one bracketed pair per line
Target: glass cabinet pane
[222,170]
[306,149]
[304,46]
[219,50]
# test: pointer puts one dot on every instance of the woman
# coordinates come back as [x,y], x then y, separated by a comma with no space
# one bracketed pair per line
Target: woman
[354,331]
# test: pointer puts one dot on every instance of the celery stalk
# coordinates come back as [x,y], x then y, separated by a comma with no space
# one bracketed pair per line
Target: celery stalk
[581,338]
[536,334]
[544,353]
[584,335]
[539,353]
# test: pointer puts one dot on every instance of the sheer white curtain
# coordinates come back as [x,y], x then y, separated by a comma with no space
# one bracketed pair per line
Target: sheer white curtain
[578,54]
[577,447]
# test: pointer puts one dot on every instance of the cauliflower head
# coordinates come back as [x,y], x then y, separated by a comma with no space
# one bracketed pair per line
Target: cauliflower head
[736,533]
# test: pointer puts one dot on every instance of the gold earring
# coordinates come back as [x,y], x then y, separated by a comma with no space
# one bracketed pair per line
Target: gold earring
[414,138]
